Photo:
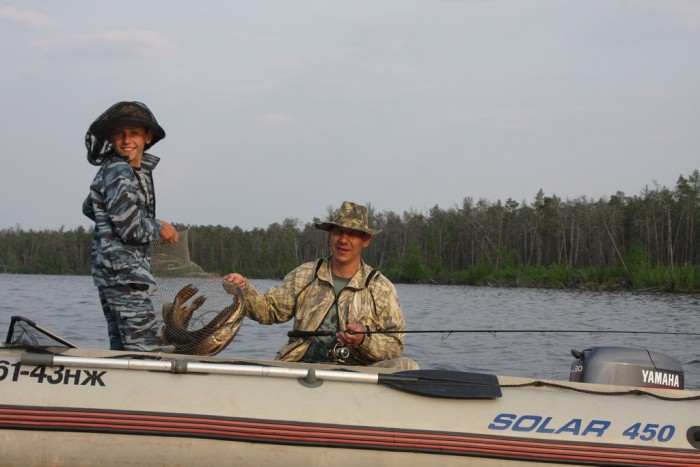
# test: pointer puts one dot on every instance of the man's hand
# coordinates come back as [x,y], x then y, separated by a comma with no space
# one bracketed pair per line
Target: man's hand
[350,339]
[236,279]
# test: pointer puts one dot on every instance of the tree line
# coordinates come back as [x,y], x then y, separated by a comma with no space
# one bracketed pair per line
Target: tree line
[640,242]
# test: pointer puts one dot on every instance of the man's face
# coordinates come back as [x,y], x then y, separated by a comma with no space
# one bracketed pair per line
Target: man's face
[130,142]
[347,244]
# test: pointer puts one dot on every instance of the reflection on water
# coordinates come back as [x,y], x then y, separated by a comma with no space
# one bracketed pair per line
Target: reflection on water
[69,307]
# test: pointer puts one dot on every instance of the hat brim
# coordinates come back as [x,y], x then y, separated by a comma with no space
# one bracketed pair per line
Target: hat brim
[105,129]
[327,226]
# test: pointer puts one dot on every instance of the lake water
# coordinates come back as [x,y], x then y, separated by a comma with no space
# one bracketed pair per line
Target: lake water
[69,306]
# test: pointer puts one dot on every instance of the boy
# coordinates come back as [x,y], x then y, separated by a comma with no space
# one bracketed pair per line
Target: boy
[122,205]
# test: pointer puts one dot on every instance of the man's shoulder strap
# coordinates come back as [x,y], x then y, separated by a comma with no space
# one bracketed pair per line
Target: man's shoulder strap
[319,263]
[370,276]
[318,266]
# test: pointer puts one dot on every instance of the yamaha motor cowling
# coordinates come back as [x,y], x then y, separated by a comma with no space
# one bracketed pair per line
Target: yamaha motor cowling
[627,366]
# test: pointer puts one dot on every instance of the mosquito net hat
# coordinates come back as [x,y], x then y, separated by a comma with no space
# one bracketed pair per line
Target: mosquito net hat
[97,138]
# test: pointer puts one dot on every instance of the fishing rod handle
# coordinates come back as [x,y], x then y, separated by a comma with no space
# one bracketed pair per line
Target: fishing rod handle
[296,333]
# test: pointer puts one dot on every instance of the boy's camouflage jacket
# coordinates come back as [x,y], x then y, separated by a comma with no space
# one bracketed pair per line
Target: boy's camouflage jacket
[125,223]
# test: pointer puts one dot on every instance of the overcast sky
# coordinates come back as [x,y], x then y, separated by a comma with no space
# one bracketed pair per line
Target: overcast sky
[280,109]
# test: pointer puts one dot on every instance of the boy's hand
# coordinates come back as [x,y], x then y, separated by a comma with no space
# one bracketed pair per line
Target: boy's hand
[168,234]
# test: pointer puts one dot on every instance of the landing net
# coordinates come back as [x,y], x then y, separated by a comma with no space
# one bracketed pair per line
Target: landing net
[24,332]
[201,312]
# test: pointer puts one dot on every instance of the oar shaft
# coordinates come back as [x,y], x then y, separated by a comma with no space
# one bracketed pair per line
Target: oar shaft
[433,383]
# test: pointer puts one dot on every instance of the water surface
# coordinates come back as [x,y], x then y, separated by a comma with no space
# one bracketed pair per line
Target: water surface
[69,307]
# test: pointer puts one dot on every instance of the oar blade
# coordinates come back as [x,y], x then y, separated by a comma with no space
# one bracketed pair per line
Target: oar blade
[444,383]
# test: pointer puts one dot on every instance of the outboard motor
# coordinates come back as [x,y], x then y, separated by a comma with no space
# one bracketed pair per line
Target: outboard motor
[627,366]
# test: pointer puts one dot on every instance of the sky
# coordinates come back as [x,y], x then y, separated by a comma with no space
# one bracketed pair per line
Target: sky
[283,109]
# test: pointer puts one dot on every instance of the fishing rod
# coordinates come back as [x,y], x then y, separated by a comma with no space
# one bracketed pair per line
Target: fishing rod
[296,333]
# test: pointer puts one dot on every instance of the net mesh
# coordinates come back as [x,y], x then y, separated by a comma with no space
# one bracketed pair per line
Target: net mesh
[201,313]
[26,333]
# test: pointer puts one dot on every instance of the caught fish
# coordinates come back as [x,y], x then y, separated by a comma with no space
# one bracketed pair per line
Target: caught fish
[211,338]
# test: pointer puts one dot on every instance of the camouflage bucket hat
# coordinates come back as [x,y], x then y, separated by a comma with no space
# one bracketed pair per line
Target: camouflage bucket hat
[350,216]
[97,138]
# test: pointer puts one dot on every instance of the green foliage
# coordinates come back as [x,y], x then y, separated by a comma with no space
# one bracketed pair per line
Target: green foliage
[412,267]
[688,277]
[482,273]
[645,242]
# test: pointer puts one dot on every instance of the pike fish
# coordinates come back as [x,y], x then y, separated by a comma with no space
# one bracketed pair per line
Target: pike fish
[211,338]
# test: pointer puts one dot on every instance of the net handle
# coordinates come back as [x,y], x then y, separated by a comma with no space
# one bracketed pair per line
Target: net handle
[32,324]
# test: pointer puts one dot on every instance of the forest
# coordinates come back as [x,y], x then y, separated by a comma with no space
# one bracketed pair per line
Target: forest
[648,241]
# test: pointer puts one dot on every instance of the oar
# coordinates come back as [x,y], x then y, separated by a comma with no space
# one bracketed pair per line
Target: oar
[433,383]
[296,333]
[444,383]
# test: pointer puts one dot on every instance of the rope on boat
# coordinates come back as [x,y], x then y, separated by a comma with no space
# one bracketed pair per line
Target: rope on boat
[638,392]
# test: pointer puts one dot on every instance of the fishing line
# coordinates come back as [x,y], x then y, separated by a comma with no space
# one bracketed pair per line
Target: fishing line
[296,333]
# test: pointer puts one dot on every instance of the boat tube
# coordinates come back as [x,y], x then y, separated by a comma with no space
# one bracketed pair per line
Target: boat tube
[66,406]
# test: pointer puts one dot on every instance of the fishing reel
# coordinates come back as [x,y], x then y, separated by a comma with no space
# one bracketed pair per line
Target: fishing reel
[339,353]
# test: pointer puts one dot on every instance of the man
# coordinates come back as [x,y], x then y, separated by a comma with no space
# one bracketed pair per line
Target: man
[122,205]
[340,295]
